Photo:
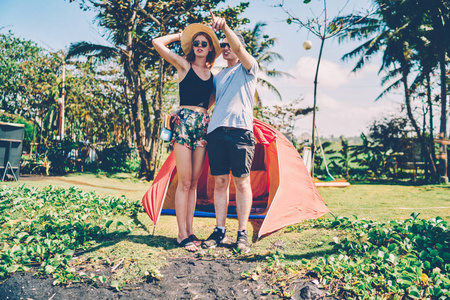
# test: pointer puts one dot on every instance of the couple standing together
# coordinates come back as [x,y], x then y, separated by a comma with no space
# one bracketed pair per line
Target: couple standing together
[227,136]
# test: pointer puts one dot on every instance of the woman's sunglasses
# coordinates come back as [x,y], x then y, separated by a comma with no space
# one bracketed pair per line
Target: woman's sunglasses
[223,45]
[197,43]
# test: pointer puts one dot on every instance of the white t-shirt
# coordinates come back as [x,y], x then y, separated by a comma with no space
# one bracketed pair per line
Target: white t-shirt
[235,91]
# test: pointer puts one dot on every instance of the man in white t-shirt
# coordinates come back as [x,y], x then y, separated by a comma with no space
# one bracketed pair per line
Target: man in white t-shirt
[231,144]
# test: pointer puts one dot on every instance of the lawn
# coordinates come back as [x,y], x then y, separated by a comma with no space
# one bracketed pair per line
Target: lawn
[388,202]
[371,201]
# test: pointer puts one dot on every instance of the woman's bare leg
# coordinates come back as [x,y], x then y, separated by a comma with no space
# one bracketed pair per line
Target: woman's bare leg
[183,162]
[198,159]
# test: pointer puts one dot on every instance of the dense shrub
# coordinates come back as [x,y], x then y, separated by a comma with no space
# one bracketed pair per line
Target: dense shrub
[57,154]
[114,158]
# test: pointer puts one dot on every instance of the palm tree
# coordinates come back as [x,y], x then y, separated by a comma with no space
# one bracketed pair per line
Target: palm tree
[126,31]
[129,27]
[426,60]
[259,46]
[437,16]
[389,31]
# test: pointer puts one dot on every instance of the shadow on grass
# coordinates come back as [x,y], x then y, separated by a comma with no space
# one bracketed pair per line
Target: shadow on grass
[256,225]
[155,241]
[138,223]
[114,238]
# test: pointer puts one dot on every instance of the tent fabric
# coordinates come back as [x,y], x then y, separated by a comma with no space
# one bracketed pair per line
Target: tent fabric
[283,190]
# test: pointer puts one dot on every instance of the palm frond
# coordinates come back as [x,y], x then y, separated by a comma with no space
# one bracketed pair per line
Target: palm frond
[391,74]
[275,73]
[393,86]
[101,52]
[269,86]
[257,99]
[269,57]
[357,51]
[357,27]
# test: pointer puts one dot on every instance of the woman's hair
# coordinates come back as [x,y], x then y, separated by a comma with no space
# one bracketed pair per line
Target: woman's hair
[211,54]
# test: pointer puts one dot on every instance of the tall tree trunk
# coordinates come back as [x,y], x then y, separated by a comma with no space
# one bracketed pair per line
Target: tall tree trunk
[411,118]
[441,35]
[313,138]
[136,104]
[431,138]
[157,107]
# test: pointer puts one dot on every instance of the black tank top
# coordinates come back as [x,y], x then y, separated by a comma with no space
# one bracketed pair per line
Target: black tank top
[194,91]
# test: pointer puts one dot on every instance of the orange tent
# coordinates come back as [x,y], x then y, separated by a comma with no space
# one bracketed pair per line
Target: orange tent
[283,191]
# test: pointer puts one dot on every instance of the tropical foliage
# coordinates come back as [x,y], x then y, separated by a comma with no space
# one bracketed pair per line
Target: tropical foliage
[282,117]
[129,27]
[116,92]
[378,261]
[387,152]
[259,46]
[411,36]
[44,230]
[28,77]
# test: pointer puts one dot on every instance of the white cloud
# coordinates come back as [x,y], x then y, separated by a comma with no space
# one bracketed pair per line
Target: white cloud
[335,117]
[331,75]
[346,100]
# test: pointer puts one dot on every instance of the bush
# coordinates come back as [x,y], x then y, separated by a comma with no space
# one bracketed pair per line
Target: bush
[57,155]
[114,158]
[45,227]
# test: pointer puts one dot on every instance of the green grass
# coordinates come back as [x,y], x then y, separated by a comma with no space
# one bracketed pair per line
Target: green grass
[388,202]
[103,184]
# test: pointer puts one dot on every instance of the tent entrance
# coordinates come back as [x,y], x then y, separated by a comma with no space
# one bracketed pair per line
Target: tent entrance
[205,189]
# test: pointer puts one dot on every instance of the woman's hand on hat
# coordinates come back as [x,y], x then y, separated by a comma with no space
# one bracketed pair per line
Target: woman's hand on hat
[217,23]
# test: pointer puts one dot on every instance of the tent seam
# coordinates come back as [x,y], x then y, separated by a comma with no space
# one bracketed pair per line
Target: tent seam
[276,193]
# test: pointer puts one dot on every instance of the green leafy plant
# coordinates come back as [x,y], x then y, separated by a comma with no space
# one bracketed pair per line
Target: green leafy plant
[399,258]
[44,229]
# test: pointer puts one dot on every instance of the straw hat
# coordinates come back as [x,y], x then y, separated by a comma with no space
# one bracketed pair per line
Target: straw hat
[191,30]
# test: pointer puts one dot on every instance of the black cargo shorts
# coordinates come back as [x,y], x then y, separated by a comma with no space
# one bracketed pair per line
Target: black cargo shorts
[230,149]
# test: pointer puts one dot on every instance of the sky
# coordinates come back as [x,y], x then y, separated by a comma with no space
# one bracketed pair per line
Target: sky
[346,101]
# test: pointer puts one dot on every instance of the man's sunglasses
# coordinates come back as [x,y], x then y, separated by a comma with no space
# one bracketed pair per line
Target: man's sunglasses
[197,43]
[223,45]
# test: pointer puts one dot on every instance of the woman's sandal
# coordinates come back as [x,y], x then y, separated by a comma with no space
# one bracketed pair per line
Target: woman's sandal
[187,243]
[195,240]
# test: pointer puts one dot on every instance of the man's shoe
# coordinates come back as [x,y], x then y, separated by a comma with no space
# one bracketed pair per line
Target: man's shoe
[242,242]
[216,238]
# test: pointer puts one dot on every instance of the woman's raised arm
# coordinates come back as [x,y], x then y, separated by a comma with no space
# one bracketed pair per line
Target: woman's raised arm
[179,62]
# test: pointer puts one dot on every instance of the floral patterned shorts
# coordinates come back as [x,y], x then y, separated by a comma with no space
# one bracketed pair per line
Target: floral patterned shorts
[190,128]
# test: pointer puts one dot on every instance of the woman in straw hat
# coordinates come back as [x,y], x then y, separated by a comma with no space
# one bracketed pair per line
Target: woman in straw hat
[201,46]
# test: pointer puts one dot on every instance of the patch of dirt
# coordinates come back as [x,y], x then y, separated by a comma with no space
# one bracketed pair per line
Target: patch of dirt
[182,279]
[28,177]
[33,177]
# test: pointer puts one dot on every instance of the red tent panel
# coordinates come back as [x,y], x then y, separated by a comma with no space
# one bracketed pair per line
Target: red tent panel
[278,175]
